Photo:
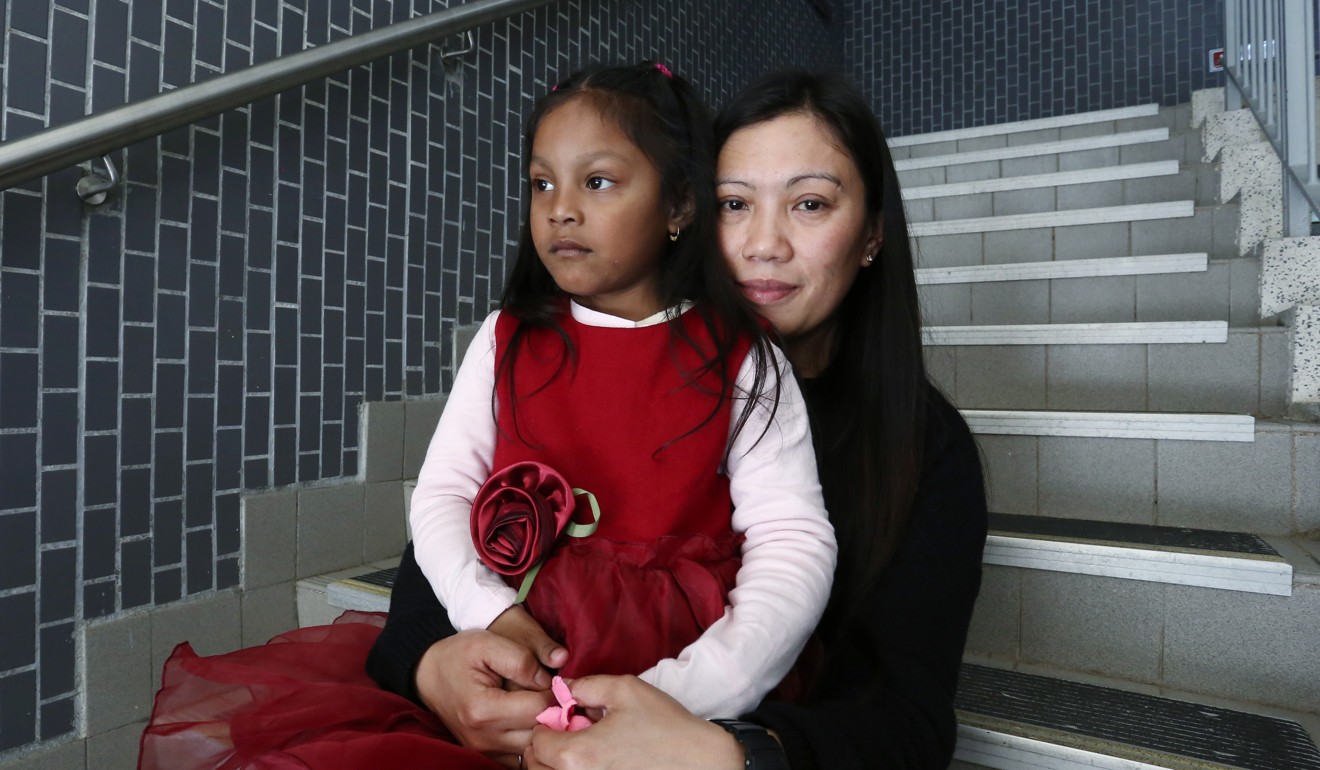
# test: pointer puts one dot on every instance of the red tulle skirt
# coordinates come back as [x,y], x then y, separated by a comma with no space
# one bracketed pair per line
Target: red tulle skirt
[302,701]
[620,607]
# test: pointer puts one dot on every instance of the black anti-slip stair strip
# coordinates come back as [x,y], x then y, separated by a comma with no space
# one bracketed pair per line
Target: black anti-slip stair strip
[1132,725]
[1115,533]
[383,578]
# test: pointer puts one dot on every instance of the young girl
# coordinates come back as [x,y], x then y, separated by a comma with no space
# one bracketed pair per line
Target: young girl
[623,364]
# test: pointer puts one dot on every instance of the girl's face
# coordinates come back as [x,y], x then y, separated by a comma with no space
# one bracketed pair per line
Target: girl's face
[598,220]
[793,224]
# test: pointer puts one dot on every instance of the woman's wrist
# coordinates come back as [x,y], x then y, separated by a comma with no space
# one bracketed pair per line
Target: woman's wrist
[759,747]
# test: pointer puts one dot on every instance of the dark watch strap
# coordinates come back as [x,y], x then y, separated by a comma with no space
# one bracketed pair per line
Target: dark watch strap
[760,749]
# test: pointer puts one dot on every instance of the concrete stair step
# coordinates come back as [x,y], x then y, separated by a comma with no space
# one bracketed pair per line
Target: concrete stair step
[1016,719]
[1140,183]
[1234,561]
[1156,264]
[1247,373]
[1171,227]
[1225,289]
[1061,218]
[314,594]
[1269,485]
[1139,333]
[1112,425]
[1081,118]
[1086,143]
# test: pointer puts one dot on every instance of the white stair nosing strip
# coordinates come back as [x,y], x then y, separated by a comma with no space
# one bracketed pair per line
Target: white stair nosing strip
[1068,268]
[1145,563]
[1140,333]
[1005,751]
[1065,218]
[1141,425]
[1031,150]
[347,597]
[1055,179]
[1036,124]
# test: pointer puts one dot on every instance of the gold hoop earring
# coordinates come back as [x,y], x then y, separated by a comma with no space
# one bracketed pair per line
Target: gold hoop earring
[674,235]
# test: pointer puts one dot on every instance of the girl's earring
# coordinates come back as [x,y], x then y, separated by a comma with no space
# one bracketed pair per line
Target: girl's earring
[674,235]
[870,258]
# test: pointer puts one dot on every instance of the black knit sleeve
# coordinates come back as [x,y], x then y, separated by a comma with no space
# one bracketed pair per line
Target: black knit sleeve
[887,699]
[416,621]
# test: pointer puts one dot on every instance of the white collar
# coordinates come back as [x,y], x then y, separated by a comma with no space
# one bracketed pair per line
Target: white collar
[588,317]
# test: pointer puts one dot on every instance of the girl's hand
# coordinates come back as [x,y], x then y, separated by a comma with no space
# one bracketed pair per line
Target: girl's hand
[642,729]
[462,679]
[517,625]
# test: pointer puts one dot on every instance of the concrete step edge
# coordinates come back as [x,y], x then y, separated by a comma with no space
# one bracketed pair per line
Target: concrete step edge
[1053,179]
[1136,425]
[1157,264]
[1101,141]
[1076,119]
[1138,333]
[1138,212]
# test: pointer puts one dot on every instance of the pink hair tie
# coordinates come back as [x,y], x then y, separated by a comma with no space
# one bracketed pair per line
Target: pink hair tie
[554,88]
[664,70]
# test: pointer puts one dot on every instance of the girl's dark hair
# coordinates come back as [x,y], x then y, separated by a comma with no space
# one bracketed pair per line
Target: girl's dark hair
[663,116]
[868,409]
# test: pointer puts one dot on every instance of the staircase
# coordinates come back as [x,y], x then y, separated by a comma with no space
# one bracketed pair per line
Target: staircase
[1151,595]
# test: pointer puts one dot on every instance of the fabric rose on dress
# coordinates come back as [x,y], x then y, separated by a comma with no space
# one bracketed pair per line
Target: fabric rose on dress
[518,514]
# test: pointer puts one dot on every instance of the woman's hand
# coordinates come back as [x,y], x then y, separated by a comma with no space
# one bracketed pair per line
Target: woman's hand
[517,625]
[462,679]
[642,729]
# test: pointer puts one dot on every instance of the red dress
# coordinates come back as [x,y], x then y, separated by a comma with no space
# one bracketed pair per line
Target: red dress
[633,418]
[654,575]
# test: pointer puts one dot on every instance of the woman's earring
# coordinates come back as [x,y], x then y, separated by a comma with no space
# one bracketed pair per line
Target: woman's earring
[870,258]
[674,235]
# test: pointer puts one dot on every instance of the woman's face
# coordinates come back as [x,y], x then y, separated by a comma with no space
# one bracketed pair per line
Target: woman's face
[793,224]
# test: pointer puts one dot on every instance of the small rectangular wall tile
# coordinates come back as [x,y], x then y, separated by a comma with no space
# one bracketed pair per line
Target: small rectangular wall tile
[1001,377]
[119,675]
[270,538]
[1090,196]
[1092,241]
[463,336]
[1010,246]
[948,304]
[1036,164]
[1184,296]
[920,177]
[330,521]
[1247,647]
[117,749]
[1306,480]
[1211,377]
[1039,136]
[1100,378]
[972,172]
[1030,201]
[70,755]
[964,206]
[420,418]
[941,369]
[1098,478]
[947,250]
[994,627]
[1010,472]
[1020,302]
[1234,486]
[975,144]
[212,626]
[1103,156]
[382,445]
[1101,625]
[1110,299]
[268,612]
[385,527]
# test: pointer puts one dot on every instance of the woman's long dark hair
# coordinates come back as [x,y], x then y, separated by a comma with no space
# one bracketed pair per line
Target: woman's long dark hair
[663,116]
[868,408]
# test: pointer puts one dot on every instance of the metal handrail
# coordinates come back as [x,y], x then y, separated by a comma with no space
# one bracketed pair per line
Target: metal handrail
[95,135]
[1270,64]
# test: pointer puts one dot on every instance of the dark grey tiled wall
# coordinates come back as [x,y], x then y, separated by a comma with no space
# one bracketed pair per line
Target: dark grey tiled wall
[932,65]
[216,326]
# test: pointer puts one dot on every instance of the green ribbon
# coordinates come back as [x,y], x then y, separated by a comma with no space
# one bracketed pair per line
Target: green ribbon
[572,530]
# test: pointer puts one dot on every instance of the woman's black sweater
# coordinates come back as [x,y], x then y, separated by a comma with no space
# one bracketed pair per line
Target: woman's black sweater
[886,696]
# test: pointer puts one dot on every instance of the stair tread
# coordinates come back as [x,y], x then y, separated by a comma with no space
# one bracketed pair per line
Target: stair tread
[1074,119]
[1130,725]
[1123,139]
[1241,544]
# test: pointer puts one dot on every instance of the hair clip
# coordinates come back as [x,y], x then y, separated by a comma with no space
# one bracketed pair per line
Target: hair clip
[664,70]
[554,88]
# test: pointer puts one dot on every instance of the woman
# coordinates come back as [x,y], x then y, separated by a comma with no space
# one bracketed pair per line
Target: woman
[812,227]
